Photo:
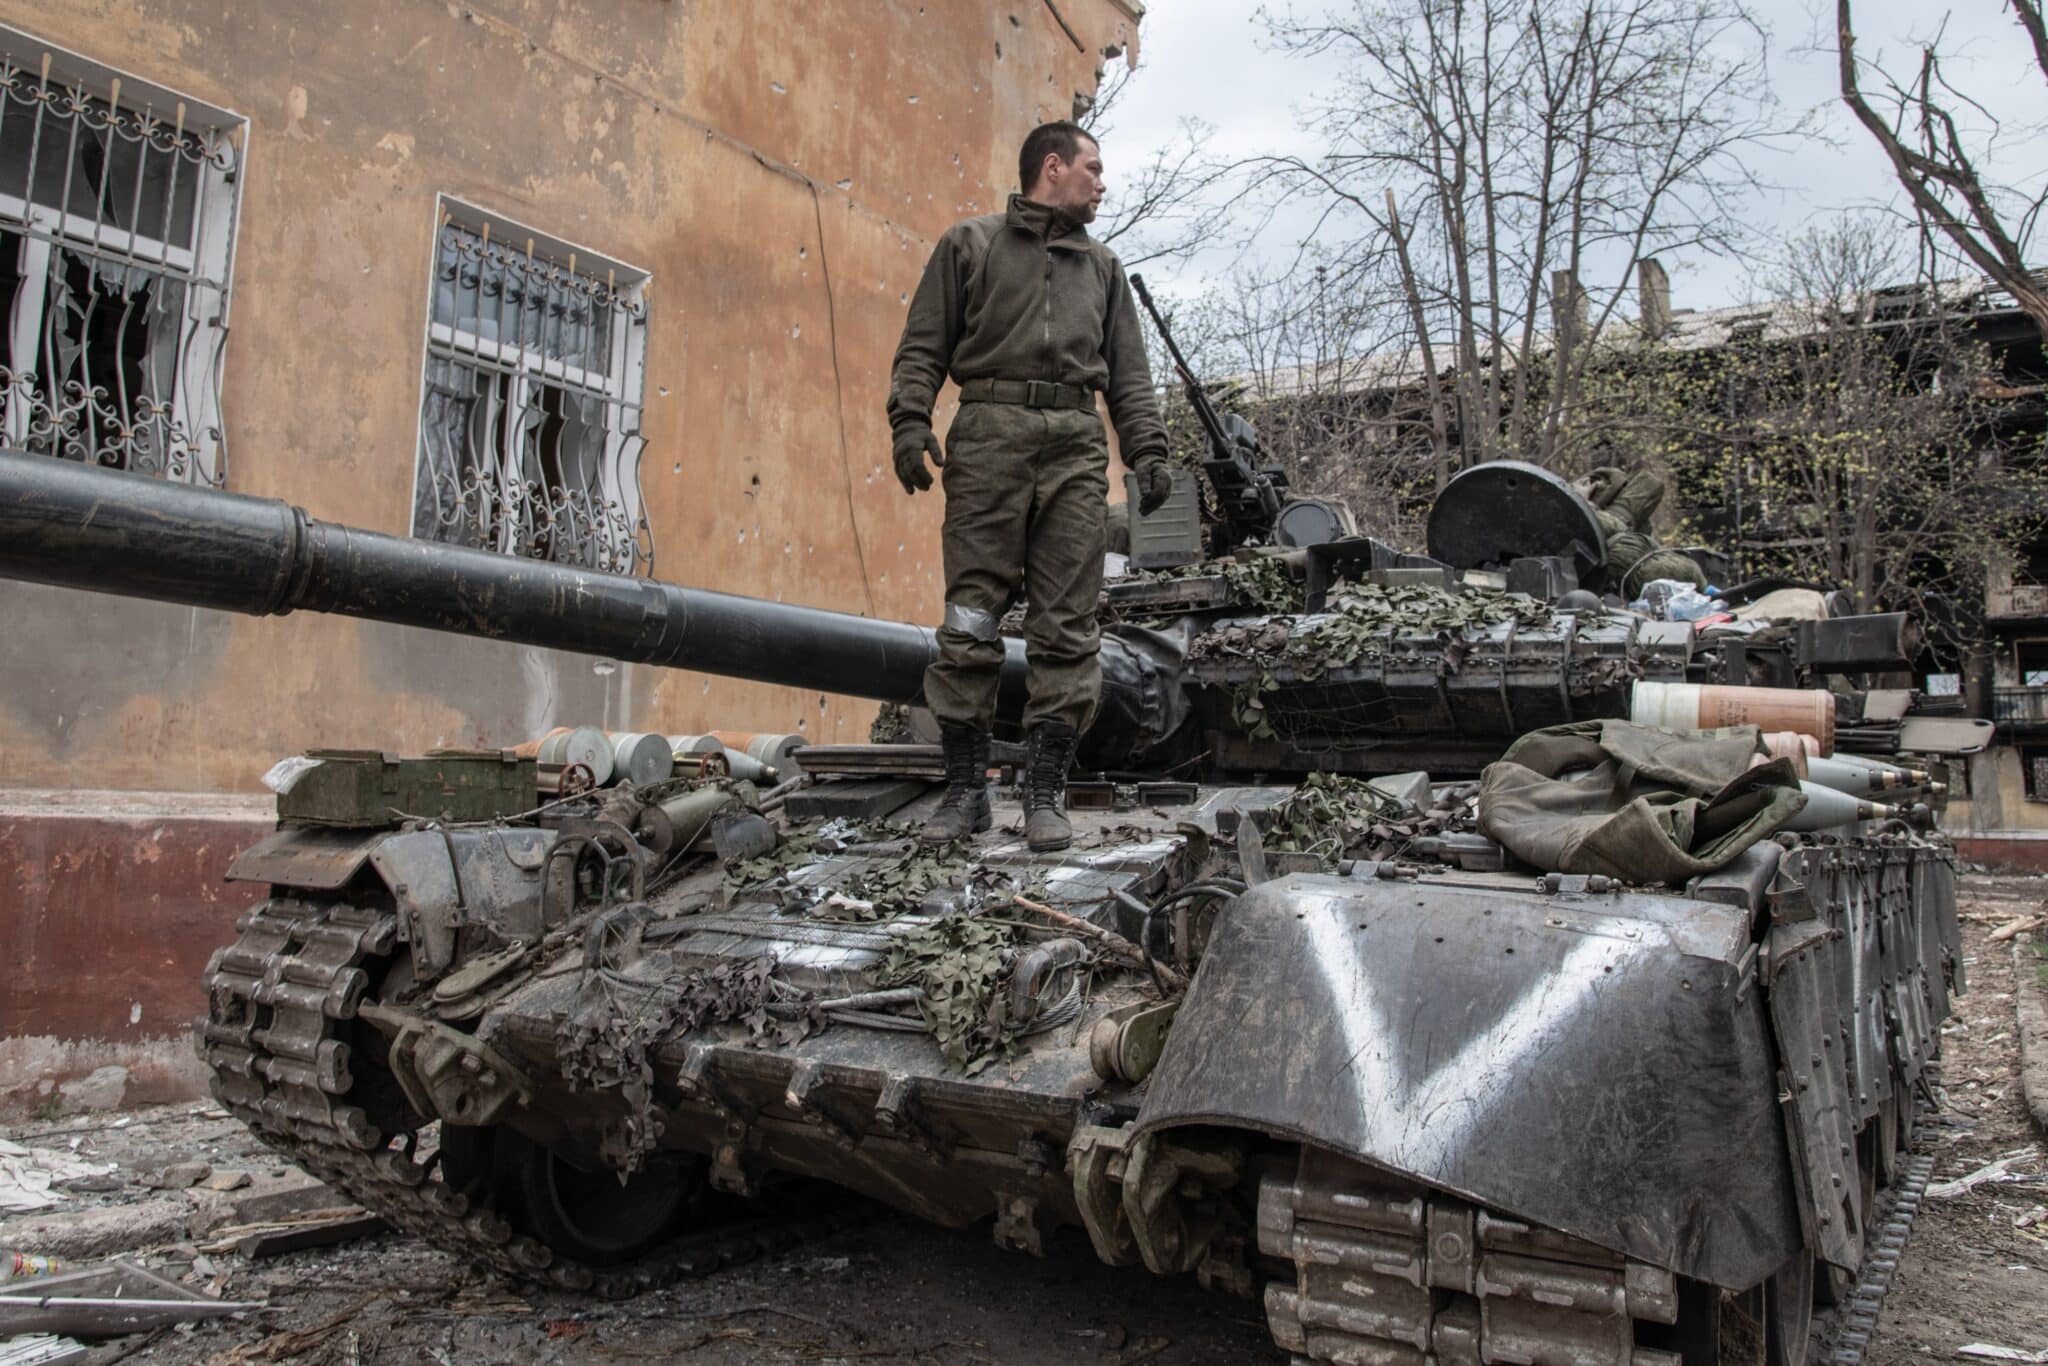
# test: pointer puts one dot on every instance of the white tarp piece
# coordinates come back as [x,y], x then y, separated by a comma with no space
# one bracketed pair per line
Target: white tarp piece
[1990,1173]
[40,1349]
[27,1175]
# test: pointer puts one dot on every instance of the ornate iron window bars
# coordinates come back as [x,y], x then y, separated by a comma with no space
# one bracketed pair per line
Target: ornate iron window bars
[530,412]
[116,232]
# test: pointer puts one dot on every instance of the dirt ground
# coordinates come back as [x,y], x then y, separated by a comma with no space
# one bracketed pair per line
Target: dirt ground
[892,1290]
[1976,1266]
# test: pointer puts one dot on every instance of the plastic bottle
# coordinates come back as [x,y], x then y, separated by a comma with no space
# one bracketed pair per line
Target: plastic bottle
[18,1266]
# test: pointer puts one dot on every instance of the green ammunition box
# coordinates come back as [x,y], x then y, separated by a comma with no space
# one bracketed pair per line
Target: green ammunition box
[365,788]
[1172,535]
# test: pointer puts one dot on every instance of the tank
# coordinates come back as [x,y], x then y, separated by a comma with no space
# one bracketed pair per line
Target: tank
[1284,1018]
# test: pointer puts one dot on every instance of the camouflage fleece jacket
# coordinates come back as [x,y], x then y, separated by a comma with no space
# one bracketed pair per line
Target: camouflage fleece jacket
[1022,295]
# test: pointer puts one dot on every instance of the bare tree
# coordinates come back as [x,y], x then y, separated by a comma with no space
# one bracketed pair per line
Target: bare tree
[1942,169]
[1164,210]
[1849,440]
[1326,379]
[1541,148]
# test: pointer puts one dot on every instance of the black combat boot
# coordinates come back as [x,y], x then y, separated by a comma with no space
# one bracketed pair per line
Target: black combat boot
[1048,752]
[963,811]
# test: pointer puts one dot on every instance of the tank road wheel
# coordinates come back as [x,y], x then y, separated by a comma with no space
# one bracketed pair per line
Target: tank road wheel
[1906,1095]
[1889,1147]
[589,1215]
[1770,1325]
[1788,1311]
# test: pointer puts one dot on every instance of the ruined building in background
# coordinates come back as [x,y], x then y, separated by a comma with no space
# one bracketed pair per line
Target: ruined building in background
[600,284]
[1699,394]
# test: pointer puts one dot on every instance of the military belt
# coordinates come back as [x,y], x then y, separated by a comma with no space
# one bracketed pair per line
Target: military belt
[1030,393]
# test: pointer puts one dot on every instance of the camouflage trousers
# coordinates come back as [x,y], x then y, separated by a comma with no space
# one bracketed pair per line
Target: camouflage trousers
[1025,490]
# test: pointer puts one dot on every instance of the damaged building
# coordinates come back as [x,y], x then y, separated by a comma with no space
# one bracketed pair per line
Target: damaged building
[605,285]
[1359,426]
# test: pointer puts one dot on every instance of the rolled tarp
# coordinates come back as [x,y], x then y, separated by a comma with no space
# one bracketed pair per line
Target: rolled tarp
[1634,802]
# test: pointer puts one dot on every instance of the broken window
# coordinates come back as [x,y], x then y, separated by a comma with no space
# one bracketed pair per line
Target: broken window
[530,408]
[2034,772]
[117,218]
[2030,662]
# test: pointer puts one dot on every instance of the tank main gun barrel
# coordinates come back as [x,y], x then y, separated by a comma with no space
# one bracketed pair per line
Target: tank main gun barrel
[76,526]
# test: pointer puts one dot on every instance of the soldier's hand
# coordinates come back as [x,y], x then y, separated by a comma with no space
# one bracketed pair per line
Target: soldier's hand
[913,443]
[1155,482]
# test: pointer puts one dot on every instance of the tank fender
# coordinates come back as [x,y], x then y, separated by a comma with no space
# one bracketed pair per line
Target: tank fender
[446,881]
[314,858]
[1600,1063]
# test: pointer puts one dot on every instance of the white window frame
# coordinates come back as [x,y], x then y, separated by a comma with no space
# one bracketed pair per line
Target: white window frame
[191,437]
[620,388]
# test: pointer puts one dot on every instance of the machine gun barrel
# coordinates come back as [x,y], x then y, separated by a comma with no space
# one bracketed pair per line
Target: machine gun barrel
[76,526]
[1198,397]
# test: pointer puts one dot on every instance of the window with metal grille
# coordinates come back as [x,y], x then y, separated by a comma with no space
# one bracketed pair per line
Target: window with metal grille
[117,224]
[530,407]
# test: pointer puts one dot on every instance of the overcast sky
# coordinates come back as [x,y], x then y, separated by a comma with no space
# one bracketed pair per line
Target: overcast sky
[1208,58]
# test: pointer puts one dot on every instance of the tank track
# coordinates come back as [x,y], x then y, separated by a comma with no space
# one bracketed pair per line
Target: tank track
[1368,1251]
[1387,1271]
[1840,1340]
[280,1003]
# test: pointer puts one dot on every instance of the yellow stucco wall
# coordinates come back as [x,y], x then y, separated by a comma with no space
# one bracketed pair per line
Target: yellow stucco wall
[738,150]
[1997,798]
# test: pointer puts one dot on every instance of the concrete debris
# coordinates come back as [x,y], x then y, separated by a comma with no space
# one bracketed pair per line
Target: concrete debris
[180,1176]
[1985,1351]
[104,1089]
[27,1176]
[225,1181]
[323,1232]
[274,1199]
[104,1231]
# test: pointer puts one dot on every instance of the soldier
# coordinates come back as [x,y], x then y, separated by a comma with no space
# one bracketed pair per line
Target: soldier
[1031,317]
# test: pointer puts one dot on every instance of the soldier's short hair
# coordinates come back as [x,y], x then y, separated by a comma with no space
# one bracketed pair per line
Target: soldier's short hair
[1064,137]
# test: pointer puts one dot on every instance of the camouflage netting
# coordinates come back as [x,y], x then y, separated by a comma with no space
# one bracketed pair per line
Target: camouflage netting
[890,887]
[1259,582]
[1335,817]
[1353,628]
[620,1015]
[891,725]
[959,965]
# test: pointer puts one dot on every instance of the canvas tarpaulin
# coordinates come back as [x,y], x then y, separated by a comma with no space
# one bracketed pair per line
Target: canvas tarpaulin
[1634,802]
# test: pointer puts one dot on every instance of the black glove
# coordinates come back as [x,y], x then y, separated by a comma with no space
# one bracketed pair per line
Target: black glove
[1155,482]
[914,441]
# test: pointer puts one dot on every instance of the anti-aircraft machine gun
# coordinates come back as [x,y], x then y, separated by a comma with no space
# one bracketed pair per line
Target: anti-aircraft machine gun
[1249,493]
[1344,1045]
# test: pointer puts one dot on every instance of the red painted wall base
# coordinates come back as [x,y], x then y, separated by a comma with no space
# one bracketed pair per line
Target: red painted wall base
[2021,851]
[113,901]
